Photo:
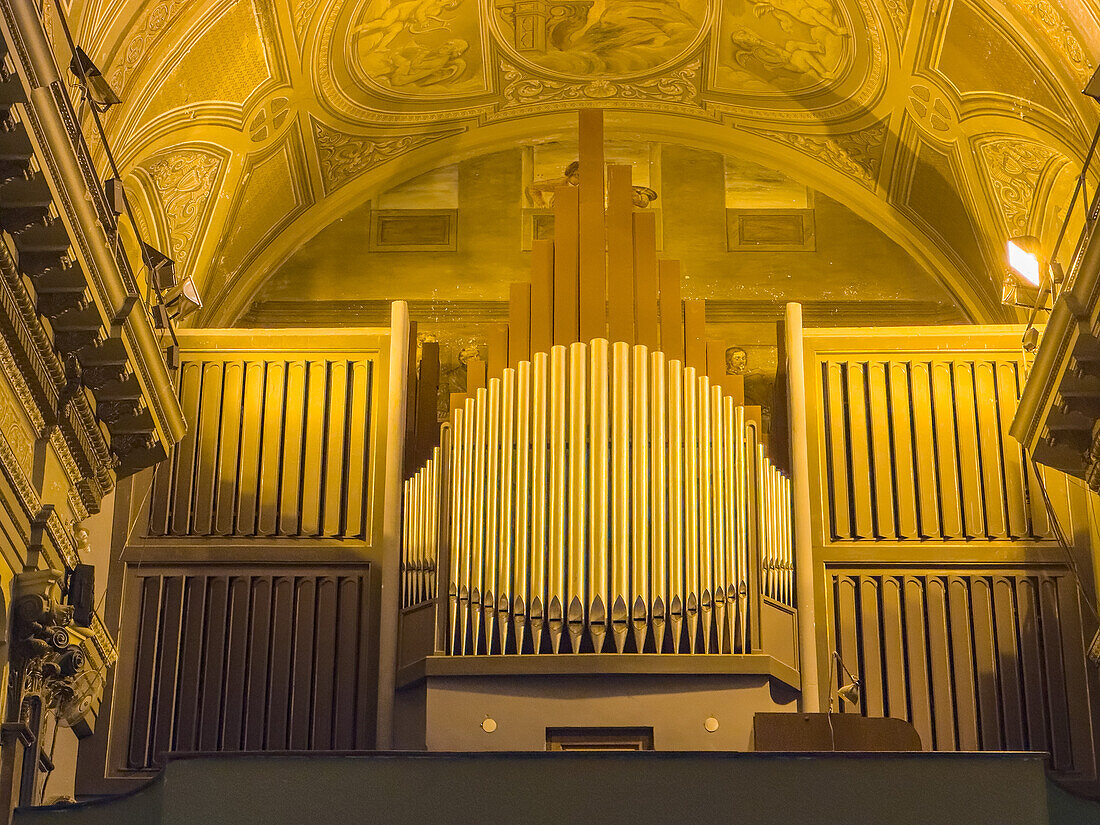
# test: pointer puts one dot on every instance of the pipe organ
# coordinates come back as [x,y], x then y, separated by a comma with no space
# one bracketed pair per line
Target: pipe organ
[599,498]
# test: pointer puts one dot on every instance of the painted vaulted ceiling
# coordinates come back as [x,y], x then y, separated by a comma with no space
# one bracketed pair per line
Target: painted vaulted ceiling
[248,126]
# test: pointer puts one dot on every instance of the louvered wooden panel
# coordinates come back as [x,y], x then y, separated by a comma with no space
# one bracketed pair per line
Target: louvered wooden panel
[918,449]
[250,660]
[988,659]
[276,446]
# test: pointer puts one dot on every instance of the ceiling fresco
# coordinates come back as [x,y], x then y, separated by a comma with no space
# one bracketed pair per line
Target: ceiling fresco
[248,126]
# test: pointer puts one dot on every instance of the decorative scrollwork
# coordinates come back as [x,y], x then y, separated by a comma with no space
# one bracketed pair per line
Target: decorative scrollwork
[856,154]
[680,86]
[184,181]
[1014,167]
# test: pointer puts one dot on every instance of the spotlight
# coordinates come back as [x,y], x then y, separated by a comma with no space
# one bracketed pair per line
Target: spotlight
[183,299]
[1024,258]
[1092,88]
[116,200]
[96,85]
[162,269]
[850,692]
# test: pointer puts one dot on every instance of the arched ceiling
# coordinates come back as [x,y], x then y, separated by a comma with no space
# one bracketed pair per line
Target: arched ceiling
[247,126]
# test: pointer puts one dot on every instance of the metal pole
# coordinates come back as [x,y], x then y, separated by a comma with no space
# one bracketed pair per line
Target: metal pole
[800,490]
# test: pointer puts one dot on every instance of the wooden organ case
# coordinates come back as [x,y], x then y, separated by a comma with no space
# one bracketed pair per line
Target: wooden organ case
[598,539]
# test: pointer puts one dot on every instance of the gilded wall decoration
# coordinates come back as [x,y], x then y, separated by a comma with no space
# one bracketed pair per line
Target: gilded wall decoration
[1015,167]
[856,154]
[344,157]
[781,45]
[679,87]
[418,47]
[610,38]
[302,13]
[898,11]
[184,181]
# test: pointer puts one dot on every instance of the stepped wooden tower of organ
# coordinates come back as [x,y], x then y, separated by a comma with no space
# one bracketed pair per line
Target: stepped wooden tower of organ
[603,497]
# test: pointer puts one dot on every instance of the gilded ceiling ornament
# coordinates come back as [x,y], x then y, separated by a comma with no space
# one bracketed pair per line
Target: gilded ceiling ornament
[856,154]
[344,156]
[898,10]
[148,31]
[679,87]
[1058,30]
[302,13]
[184,181]
[1014,167]
[928,106]
[576,39]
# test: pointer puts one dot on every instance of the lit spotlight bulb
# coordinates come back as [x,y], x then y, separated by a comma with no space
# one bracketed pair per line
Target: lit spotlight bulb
[1023,258]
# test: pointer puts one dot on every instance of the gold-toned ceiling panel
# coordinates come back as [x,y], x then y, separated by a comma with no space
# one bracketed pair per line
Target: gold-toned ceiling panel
[906,110]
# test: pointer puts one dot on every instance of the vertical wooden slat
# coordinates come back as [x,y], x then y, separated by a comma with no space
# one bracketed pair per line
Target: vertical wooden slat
[213,662]
[847,640]
[255,732]
[427,398]
[1029,628]
[989,452]
[206,450]
[672,310]
[566,284]
[593,276]
[695,323]
[893,649]
[947,457]
[985,663]
[238,641]
[190,675]
[303,627]
[519,323]
[345,695]
[358,438]
[620,255]
[1055,671]
[497,335]
[859,452]
[542,296]
[924,449]
[882,458]
[290,488]
[962,662]
[836,449]
[171,625]
[183,477]
[282,636]
[313,448]
[271,450]
[1011,451]
[334,448]
[324,668]
[646,329]
[872,637]
[1008,663]
[1083,756]
[252,437]
[229,442]
[901,432]
[145,671]
[970,457]
[916,651]
[939,660]
[365,698]
[716,363]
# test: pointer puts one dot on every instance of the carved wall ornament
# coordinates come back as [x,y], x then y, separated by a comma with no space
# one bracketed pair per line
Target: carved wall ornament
[679,87]
[344,157]
[1014,167]
[269,119]
[928,106]
[302,14]
[44,657]
[184,181]
[898,12]
[856,154]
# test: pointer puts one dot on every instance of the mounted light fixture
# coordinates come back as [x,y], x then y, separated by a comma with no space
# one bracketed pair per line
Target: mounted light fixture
[91,78]
[1025,258]
[162,269]
[1092,88]
[183,299]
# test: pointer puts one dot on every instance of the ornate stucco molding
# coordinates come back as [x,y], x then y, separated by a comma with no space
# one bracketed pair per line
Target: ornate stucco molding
[1015,167]
[857,155]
